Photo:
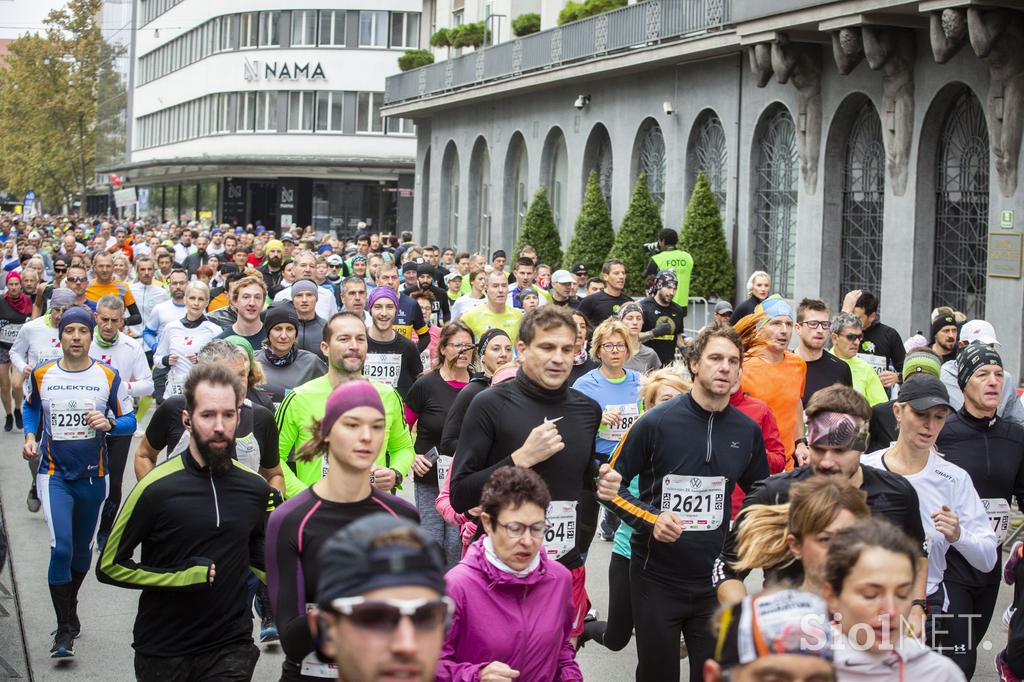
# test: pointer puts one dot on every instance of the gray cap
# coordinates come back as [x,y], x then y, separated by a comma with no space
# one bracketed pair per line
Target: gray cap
[562,277]
[723,308]
[304,286]
[922,392]
[62,298]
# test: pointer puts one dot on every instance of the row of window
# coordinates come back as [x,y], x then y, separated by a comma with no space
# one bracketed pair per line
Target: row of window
[297,111]
[151,9]
[301,28]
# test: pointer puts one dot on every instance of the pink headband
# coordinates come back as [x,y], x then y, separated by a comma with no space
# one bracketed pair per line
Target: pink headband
[836,430]
[348,396]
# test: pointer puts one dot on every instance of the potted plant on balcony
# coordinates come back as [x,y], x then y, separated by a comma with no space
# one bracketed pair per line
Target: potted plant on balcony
[525,24]
[468,35]
[441,38]
[413,59]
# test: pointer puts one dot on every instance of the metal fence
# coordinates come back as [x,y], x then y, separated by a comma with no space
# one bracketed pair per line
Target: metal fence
[639,25]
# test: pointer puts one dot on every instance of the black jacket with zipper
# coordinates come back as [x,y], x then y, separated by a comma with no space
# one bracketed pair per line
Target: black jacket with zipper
[992,452]
[187,518]
[680,437]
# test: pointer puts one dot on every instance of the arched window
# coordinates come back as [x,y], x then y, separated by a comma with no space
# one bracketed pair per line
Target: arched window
[516,199]
[775,200]
[708,154]
[598,157]
[557,171]
[651,159]
[480,196]
[863,203]
[961,209]
[450,197]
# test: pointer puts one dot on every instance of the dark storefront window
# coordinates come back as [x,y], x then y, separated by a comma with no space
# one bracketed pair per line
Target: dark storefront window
[338,206]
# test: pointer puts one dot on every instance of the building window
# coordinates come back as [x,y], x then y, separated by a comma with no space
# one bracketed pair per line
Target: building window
[304,28]
[266,112]
[860,264]
[373,29]
[775,201]
[961,209]
[710,156]
[368,118]
[224,112]
[268,29]
[400,126]
[246,112]
[228,29]
[300,111]
[405,29]
[332,28]
[328,111]
[651,161]
[558,180]
[250,29]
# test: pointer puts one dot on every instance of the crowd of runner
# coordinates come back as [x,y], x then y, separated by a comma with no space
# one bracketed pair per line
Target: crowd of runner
[299,382]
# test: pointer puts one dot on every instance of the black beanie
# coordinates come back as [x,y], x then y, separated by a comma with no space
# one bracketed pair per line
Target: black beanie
[939,323]
[971,358]
[280,314]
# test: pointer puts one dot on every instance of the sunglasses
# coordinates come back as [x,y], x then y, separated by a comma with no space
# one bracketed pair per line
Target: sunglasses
[383,615]
[77,279]
[60,269]
[853,337]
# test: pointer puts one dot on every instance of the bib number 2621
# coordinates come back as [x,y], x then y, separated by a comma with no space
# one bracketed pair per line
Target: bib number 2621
[698,501]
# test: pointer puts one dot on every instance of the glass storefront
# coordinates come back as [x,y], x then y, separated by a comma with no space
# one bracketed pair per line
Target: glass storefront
[338,206]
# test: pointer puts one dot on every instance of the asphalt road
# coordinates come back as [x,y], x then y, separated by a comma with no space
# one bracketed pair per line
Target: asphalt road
[104,651]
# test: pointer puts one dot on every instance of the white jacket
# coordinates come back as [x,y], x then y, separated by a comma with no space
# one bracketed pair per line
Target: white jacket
[910,661]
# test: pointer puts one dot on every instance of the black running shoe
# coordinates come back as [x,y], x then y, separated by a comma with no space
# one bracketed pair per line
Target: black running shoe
[9,423]
[32,501]
[63,644]
[18,421]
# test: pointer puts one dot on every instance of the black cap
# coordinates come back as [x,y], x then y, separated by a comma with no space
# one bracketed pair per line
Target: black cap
[353,561]
[923,391]
[425,269]
[579,269]
[410,266]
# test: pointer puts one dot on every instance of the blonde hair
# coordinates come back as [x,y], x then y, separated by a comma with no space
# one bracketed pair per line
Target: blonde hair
[198,285]
[813,505]
[253,280]
[605,331]
[754,276]
[666,376]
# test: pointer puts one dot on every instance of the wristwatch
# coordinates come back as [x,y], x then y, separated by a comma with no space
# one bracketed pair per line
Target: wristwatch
[398,477]
[800,440]
[923,603]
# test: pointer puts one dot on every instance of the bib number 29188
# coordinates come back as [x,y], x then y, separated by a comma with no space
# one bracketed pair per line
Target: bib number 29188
[698,501]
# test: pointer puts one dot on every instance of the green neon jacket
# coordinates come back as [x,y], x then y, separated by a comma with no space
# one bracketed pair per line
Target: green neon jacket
[306,403]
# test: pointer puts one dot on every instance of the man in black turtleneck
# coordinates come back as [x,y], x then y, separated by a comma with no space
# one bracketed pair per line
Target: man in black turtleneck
[536,421]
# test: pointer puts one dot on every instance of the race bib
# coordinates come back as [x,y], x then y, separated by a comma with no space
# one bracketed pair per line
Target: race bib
[444,463]
[698,501]
[560,537]
[174,388]
[247,452]
[312,667]
[878,362]
[998,510]
[425,358]
[628,414]
[49,354]
[384,367]
[9,333]
[68,421]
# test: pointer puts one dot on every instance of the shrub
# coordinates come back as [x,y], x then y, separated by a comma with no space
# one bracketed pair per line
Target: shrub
[571,12]
[703,237]
[442,38]
[525,24]
[468,35]
[593,236]
[413,59]
[539,230]
[574,11]
[640,226]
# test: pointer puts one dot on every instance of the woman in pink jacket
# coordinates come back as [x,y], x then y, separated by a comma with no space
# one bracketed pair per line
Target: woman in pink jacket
[506,581]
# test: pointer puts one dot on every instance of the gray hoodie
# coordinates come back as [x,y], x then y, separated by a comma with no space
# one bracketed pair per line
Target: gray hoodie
[305,367]
[911,661]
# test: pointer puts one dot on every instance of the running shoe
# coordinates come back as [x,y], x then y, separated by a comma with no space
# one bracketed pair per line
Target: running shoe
[268,631]
[9,423]
[32,501]
[1012,559]
[63,644]
[18,421]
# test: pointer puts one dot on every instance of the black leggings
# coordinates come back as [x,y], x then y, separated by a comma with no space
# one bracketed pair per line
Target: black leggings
[117,459]
[589,511]
[660,612]
[965,623]
[615,632]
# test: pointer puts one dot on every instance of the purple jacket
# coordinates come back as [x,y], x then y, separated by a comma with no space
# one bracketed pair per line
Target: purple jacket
[522,622]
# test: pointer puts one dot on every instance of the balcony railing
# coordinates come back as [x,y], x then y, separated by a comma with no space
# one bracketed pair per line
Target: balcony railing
[645,23]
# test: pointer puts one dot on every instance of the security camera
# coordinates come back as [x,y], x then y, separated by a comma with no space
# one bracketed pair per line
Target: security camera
[581,101]
[667,106]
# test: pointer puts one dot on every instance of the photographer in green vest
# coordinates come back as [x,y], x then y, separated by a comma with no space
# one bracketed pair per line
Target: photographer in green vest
[670,257]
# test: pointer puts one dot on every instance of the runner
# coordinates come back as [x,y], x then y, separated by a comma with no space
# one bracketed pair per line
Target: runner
[944,332]
[951,511]
[689,453]
[662,317]
[884,428]
[147,293]
[38,341]
[248,297]
[391,358]
[581,360]
[42,299]
[874,557]
[305,269]
[599,306]
[494,312]
[200,520]
[345,347]
[350,434]
[166,312]
[759,286]
[882,346]
[353,296]
[381,610]
[409,317]
[981,332]
[426,408]
[73,404]
[15,311]
[812,330]
[643,359]
[991,450]
[563,289]
[440,310]
[180,340]
[273,267]
[507,578]
[537,422]
[524,274]
[106,285]
[284,364]
[311,325]
[121,352]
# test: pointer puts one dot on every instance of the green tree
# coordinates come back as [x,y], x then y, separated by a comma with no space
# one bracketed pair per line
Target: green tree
[48,102]
[441,38]
[640,226]
[525,24]
[703,237]
[539,230]
[593,236]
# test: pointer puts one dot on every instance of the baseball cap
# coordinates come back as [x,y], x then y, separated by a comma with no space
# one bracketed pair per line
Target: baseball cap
[579,269]
[289,238]
[452,275]
[980,331]
[562,277]
[723,308]
[355,560]
[923,391]
[334,259]
[783,622]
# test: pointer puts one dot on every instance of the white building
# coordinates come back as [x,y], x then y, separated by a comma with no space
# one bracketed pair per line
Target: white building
[270,111]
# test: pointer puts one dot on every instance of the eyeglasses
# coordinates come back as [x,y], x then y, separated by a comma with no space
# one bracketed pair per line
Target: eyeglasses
[383,615]
[77,280]
[515,530]
[613,346]
[462,347]
[852,337]
[815,324]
